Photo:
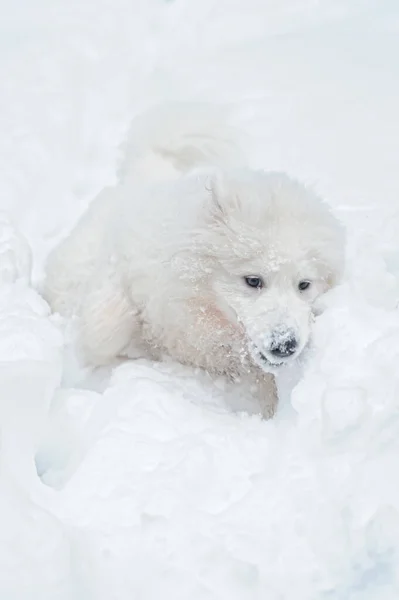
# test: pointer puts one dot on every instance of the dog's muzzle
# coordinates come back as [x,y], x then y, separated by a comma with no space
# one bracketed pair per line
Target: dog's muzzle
[276,350]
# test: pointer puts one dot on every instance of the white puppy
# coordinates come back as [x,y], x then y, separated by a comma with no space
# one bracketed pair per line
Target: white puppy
[191,255]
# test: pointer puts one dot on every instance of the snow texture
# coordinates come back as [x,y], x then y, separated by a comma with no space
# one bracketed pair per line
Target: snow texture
[150,481]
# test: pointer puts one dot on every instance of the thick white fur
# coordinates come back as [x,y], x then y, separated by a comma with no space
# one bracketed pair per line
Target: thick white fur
[157,264]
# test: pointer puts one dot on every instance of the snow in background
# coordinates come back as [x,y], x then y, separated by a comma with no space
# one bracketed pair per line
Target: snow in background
[155,483]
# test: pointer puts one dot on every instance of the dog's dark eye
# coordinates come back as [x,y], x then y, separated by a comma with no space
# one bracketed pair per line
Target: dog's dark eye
[254,281]
[303,285]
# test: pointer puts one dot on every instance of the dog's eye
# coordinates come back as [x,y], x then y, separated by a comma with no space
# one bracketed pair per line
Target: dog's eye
[303,285]
[254,281]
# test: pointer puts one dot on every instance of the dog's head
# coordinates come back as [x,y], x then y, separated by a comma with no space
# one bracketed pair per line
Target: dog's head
[274,249]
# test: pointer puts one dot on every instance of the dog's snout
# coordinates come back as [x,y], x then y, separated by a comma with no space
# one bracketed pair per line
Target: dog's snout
[283,348]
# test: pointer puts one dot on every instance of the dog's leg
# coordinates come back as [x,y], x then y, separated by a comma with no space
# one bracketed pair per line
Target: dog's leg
[107,323]
[265,390]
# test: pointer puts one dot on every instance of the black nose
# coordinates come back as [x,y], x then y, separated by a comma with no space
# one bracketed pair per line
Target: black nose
[284,348]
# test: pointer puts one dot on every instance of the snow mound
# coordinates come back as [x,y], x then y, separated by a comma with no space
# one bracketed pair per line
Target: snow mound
[15,253]
[34,556]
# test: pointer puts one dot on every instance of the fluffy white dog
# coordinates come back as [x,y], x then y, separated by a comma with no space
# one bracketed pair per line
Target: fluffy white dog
[193,255]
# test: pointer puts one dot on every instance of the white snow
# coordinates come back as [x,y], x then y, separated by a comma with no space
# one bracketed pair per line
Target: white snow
[153,482]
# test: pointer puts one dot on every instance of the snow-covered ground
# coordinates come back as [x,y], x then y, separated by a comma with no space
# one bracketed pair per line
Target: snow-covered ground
[155,483]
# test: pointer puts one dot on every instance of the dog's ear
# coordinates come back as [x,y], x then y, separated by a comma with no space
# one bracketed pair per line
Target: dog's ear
[224,200]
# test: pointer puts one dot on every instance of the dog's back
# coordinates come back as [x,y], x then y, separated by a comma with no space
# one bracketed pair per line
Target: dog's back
[162,144]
